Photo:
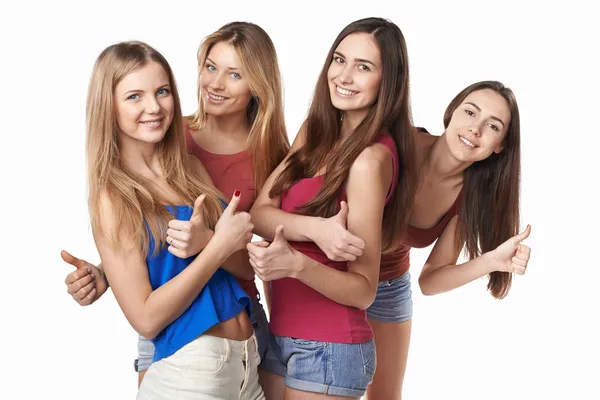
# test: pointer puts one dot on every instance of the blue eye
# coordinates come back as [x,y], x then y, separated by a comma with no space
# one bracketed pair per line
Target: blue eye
[133,97]
[235,75]
[163,91]
[211,68]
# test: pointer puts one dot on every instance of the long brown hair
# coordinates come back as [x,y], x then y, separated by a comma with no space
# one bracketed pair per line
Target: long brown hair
[489,210]
[268,137]
[390,112]
[135,203]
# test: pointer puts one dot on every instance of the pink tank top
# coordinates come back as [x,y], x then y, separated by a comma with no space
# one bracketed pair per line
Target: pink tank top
[229,172]
[301,312]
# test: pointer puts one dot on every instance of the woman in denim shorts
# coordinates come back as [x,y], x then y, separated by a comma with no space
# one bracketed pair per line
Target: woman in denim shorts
[244,163]
[481,139]
[350,149]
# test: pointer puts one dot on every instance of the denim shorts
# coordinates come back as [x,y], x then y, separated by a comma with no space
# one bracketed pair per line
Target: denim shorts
[258,320]
[336,369]
[393,302]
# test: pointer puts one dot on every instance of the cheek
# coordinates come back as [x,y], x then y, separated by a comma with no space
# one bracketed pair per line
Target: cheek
[241,91]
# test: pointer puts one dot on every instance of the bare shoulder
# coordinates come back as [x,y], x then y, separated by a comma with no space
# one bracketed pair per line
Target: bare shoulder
[375,157]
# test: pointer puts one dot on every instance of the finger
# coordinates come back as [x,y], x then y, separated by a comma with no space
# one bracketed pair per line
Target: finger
[262,243]
[344,256]
[89,299]
[517,269]
[233,204]
[198,206]
[523,252]
[279,234]
[519,262]
[254,250]
[76,275]
[176,243]
[355,251]
[177,252]
[179,235]
[178,225]
[525,234]
[80,283]
[74,261]
[84,291]
[343,214]
[355,241]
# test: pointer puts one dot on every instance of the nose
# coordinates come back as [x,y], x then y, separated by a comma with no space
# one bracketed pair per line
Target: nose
[152,106]
[346,74]
[217,82]
[474,129]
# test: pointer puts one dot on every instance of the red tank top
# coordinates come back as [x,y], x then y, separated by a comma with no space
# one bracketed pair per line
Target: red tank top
[229,172]
[397,263]
[301,312]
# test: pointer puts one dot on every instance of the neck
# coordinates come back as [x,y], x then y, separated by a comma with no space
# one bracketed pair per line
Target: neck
[229,125]
[350,120]
[140,157]
[442,163]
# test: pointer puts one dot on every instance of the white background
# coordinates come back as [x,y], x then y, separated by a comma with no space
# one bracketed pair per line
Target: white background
[541,342]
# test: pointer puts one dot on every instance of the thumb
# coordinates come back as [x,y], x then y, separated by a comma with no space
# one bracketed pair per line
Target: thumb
[233,204]
[198,206]
[279,234]
[74,261]
[343,214]
[525,234]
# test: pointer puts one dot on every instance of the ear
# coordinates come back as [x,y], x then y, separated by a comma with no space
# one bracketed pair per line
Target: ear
[499,149]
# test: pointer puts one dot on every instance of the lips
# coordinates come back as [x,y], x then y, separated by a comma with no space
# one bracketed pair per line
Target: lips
[467,142]
[345,92]
[152,122]
[215,97]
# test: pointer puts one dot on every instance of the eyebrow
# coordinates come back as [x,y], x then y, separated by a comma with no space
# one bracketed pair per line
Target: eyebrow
[360,60]
[492,117]
[141,91]
[229,68]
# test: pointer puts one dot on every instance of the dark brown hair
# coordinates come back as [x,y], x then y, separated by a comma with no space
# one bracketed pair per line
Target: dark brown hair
[391,112]
[489,210]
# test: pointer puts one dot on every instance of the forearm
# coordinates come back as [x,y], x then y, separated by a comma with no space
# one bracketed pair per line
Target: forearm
[449,277]
[267,217]
[169,301]
[344,287]
[238,265]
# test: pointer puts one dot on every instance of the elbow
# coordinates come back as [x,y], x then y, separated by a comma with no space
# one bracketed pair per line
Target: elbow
[426,287]
[364,302]
[147,329]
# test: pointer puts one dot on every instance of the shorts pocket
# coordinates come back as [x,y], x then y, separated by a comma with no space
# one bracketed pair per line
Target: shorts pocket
[369,358]
[313,344]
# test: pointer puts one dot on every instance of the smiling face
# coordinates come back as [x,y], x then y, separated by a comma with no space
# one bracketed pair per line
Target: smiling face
[143,103]
[225,90]
[478,126]
[355,73]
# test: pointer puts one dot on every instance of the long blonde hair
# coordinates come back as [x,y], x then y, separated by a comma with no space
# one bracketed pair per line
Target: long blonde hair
[137,207]
[268,141]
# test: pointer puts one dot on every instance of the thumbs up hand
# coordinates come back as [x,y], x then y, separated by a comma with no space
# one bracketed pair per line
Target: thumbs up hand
[234,229]
[275,260]
[512,256]
[332,237]
[87,283]
[188,238]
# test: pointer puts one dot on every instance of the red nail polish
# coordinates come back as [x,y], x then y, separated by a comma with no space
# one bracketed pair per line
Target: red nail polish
[236,193]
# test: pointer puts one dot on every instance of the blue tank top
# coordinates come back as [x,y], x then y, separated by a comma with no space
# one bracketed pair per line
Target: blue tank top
[221,299]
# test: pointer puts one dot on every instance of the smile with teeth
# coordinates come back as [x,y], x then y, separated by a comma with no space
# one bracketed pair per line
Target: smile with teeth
[214,97]
[154,123]
[468,143]
[344,92]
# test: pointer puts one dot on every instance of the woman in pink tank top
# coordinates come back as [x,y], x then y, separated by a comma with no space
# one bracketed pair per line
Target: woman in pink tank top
[238,133]
[468,197]
[351,149]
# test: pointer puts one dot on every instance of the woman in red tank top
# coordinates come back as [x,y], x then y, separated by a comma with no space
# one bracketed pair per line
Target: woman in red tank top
[468,197]
[238,133]
[351,147]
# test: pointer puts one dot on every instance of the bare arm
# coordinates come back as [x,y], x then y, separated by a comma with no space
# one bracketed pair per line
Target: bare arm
[150,311]
[330,234]
[441,273]
[367,186]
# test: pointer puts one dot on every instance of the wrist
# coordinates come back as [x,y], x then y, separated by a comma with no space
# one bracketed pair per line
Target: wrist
[218,248]
[312,228]
[301,266]
[491,263]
